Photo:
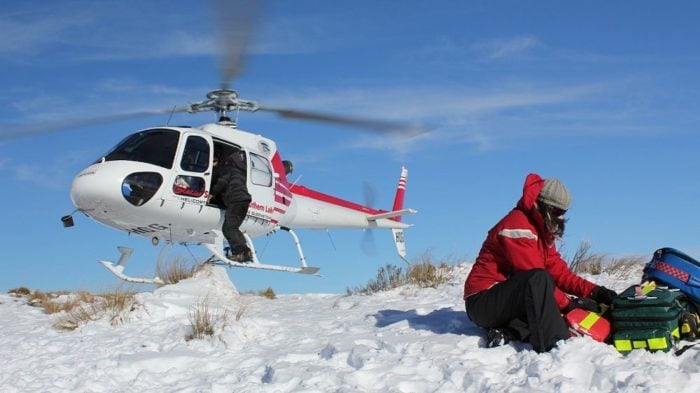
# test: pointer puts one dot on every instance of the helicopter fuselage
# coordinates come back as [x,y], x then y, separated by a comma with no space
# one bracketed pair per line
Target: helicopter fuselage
[156,184]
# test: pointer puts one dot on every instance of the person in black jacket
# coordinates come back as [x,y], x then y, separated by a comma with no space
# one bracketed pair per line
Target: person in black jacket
[230,190]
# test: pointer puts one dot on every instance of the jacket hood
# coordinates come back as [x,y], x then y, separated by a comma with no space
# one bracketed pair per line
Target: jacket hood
[531,190]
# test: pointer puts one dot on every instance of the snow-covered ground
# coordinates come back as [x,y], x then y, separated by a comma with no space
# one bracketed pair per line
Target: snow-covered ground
[404,340]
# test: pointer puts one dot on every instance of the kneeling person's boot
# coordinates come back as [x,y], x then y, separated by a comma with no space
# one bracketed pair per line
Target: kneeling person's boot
[498,336]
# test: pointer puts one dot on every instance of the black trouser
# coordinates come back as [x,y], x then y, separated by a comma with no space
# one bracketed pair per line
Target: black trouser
[524,303]
[233,218]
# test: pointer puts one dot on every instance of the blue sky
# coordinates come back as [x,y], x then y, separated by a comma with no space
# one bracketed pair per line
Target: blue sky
[603,95]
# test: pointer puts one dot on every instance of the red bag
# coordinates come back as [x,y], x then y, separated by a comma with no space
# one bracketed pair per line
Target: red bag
[583,322]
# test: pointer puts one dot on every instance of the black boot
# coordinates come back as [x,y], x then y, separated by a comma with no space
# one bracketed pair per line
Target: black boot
[498,336]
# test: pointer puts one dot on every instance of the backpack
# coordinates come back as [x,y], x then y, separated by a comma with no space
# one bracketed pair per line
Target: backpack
[650,317]
[675,269]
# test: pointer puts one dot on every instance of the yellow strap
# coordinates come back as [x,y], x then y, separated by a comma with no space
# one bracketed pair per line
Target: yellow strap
[589,320]
[675,333]
[658,343]
[623,345]
[636,344]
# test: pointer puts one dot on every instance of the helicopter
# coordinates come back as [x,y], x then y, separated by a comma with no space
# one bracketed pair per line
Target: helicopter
[156,182]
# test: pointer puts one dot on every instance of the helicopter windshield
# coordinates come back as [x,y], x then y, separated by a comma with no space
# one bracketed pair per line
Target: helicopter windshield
[155,147]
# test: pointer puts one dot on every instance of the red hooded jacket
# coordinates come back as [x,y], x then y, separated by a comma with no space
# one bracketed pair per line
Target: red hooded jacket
[520,242]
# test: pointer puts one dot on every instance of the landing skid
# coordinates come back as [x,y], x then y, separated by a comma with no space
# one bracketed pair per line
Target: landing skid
[218,256]
[118,268]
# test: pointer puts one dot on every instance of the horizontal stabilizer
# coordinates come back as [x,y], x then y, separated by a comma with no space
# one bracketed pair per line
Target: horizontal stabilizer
[394,213]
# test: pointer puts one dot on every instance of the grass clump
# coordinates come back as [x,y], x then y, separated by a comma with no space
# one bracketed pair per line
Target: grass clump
[115,304]
[204,320]
[19,292]
[428,275]
[268,293]
[423,272]
[388,277]
[176,270]
[584,261]
[87,307]
[77,308]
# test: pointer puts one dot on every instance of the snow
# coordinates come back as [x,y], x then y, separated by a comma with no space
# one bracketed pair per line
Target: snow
[408,339]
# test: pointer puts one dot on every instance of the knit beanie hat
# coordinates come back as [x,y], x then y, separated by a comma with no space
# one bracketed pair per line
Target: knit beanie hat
[554,193]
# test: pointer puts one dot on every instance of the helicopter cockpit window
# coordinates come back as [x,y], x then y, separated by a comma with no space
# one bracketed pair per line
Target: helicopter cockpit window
[195,158]
[260,172]
[155,147]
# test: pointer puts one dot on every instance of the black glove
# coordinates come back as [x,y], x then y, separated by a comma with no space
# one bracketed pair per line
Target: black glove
[603,295]
[584,303]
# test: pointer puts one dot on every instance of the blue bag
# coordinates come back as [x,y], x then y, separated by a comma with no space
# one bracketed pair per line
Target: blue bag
[675,269]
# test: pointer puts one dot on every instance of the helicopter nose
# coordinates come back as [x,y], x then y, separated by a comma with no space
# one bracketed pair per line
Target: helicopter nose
[107,186]
[89,191]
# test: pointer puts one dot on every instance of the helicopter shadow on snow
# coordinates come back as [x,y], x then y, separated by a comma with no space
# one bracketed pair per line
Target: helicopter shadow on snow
[442,321]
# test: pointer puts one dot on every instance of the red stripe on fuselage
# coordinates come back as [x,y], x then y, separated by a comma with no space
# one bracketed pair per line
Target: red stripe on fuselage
[283,200]
[282,189]
[319,196]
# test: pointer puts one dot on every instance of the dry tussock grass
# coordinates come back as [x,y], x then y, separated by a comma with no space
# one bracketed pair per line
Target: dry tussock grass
[53,304]
[241,311]
[584,261]
[268,293]
[424,272]
[427,275]
[75,309]
[117,303]
[114,305]
[19,291]
[176,270]
[388,277]
[204,320]
[623,267]
[78,315]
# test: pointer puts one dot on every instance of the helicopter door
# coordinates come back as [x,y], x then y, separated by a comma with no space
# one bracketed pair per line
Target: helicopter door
[222,150]
[260,186]
[191,172]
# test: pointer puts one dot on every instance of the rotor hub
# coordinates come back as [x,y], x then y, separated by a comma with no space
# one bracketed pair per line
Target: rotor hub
[223,101]
[223,95]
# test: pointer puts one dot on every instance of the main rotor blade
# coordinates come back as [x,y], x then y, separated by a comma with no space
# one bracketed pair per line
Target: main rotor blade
[234,20]
[384,126]
[12,131]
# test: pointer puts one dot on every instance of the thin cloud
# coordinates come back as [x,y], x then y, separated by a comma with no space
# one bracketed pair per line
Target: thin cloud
[482,118]
[502,48]
[28,33]
[126,95]
[76,33]
[55,175]
[438,102]
[493,118]
[42,176]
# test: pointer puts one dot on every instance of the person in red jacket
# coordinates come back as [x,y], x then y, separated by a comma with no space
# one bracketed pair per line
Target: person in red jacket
[519,283]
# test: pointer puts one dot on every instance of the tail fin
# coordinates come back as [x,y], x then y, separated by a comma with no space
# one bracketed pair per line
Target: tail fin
[400,191]
[398,205]
[400,242]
